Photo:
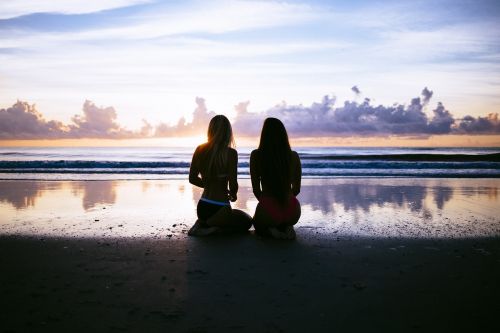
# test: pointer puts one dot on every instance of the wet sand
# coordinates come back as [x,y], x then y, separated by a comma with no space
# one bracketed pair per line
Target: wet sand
[248,284]
[377,255]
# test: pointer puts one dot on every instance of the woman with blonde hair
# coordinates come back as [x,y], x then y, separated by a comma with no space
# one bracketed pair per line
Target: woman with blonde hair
[214,168]
[276,174]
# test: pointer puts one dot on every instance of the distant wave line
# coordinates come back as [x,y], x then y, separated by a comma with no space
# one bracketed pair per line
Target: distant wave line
[22,166]
[427,173]
[90,164]
[494,157]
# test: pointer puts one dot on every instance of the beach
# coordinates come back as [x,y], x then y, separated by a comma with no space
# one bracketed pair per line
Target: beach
[137,135]
[398,254]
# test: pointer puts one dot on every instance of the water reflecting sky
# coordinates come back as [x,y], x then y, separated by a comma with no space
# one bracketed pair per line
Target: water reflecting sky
[412,207]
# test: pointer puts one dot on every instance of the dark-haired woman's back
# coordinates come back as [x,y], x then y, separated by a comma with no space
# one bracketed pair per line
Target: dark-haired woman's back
[276,177]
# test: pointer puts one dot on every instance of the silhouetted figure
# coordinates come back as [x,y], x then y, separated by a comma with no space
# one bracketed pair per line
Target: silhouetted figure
[276,174]
[214,168]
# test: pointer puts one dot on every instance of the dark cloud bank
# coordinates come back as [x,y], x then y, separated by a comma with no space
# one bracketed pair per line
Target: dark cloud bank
[23,121]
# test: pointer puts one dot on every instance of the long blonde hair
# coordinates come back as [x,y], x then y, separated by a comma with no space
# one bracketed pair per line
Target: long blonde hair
[219,138]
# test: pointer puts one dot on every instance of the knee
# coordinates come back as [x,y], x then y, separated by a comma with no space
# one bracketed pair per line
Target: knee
[298,213]
[242,220]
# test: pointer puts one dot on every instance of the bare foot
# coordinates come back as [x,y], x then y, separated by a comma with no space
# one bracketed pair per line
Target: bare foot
[200,229]
[287,233]
[276,233]
[290,232]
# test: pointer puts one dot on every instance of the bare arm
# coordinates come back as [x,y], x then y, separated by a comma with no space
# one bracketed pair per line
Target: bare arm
[232,174]
[194,170]
[254,174]
[296,173]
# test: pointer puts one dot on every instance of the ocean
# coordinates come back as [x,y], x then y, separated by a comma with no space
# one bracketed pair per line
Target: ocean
[98,163]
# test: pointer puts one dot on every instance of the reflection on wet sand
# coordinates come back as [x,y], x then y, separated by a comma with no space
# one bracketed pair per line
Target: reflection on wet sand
[23,194]
[351,196]
[404,207]
[442,195]
[390,206]
[96,192]
[354,195]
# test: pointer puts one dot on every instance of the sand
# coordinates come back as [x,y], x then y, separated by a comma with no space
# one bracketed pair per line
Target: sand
[344,275]
[249,284]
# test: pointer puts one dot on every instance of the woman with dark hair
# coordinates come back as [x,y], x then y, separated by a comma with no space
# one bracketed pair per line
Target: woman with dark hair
[214,168]
[276,173]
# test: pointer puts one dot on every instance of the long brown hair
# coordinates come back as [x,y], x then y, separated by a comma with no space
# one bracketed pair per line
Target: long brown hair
[275,158]
[219,138]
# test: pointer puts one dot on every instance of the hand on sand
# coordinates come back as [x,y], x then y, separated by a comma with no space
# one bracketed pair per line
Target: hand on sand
[201,229]
[287,233]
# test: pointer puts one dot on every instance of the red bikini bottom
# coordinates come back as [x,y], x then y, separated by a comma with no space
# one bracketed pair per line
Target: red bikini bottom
[277,211]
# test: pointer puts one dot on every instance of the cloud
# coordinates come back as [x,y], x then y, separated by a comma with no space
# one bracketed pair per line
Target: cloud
[159,20]
[97,122]
[147,129]
[427,95]
[247,122]
[488,124]
[23,121]
[364,119]
[15,8]
[442,121]
[323,118]
[199,124]
[356,90]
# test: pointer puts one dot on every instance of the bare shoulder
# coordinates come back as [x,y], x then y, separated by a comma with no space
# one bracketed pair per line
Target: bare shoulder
[254,154]
[232,153]
[202,147]
[295,156]
[198,153]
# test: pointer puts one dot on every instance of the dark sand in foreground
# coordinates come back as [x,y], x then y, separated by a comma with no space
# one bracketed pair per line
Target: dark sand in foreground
[249,284]
[374,255]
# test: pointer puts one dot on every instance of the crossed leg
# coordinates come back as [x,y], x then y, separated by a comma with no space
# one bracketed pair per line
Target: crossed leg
[226,219]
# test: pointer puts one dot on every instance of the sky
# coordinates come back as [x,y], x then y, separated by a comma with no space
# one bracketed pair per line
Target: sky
[130,69]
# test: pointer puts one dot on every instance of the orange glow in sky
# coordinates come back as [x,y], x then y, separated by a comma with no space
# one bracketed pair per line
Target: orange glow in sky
[435,141]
